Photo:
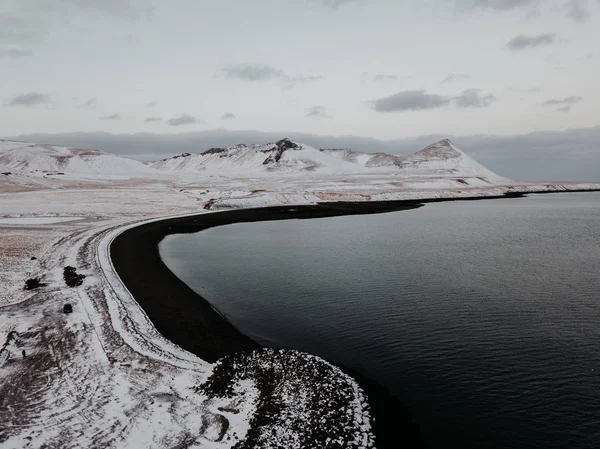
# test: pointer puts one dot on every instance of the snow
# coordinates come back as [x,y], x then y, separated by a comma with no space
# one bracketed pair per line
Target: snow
[103,376]
[36,220]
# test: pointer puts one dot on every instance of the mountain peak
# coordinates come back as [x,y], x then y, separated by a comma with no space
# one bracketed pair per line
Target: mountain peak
[444,149]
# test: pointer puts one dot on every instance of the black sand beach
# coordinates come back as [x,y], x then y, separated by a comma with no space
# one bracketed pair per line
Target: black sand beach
[179,313]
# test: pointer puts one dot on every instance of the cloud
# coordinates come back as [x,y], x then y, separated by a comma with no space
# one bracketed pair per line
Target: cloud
[563,103]
[227,116]
[576,10]
[111,117]
[151,104]
[40,16]
[410,100]
[455,77]
[570,155]
[17,30]
[183,119]
[522,42]
[120,9]
[30,100]
[384,77]
[258,72]
[500,5]
[528,90]
[336,4]
[153,119]
[92,103]
[15,53]
[381,77]
[317,111]
[472,98]
[418,100]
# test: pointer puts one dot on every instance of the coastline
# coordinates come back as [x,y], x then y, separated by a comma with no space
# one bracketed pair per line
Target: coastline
[182,315]
[191,322]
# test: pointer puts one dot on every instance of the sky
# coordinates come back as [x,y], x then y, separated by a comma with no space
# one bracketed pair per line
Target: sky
[382,70]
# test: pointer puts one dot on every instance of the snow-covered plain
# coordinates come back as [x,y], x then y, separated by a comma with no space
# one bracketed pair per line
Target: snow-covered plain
[103,376]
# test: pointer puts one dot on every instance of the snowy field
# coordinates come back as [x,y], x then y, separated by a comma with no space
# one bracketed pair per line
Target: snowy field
[102,376]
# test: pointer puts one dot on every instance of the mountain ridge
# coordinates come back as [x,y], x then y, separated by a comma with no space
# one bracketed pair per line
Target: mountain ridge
[285,155]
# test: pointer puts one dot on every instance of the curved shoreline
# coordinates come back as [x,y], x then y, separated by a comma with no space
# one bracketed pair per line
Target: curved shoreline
[179,313]
[189,320]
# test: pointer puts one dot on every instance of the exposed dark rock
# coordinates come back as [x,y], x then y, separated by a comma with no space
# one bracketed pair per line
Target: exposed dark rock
[214,151]
[33,258]
[72,278]
[67,308]
[280,147]
[6,173]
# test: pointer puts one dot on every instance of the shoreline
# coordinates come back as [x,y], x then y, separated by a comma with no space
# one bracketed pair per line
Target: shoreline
[192,323]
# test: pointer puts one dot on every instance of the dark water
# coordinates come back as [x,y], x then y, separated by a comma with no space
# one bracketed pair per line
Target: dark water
[483,317]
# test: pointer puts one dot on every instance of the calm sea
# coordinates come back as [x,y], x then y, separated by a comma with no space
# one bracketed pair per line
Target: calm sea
[483,317]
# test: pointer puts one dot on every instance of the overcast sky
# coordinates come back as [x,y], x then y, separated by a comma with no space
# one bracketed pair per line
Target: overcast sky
[383,69]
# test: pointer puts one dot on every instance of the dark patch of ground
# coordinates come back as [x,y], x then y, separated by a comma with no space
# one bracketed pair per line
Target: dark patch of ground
[33,283]
[72,278]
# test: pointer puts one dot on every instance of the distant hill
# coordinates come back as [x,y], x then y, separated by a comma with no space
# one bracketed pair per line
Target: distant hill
[23,157]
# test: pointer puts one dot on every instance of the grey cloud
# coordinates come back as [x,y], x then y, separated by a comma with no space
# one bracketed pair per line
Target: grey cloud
[111,117]
[417,100]
[522,41]
[253,72]
[563,103]
[153,119]
[576,10]
[379,77]
[92,103]
[121,9]
[472,98]
[570,155]
[151,104]
[183,119]
[31,29]
[455,77]
[17,30]
[30,100]
[336,4]
[317,111]
[529,90]
[384,77]
[227,116]
[411,100]
[258,72]
[15,53]
[500,5]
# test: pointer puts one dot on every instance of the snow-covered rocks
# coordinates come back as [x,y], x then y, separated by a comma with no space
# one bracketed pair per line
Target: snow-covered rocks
[303,400]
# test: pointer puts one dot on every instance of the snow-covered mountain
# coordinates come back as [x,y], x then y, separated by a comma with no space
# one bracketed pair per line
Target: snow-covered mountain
[439,159]
[443,156]
[281,156]
[23,157]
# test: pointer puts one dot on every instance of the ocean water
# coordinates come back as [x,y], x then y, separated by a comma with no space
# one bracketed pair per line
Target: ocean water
[483,317]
